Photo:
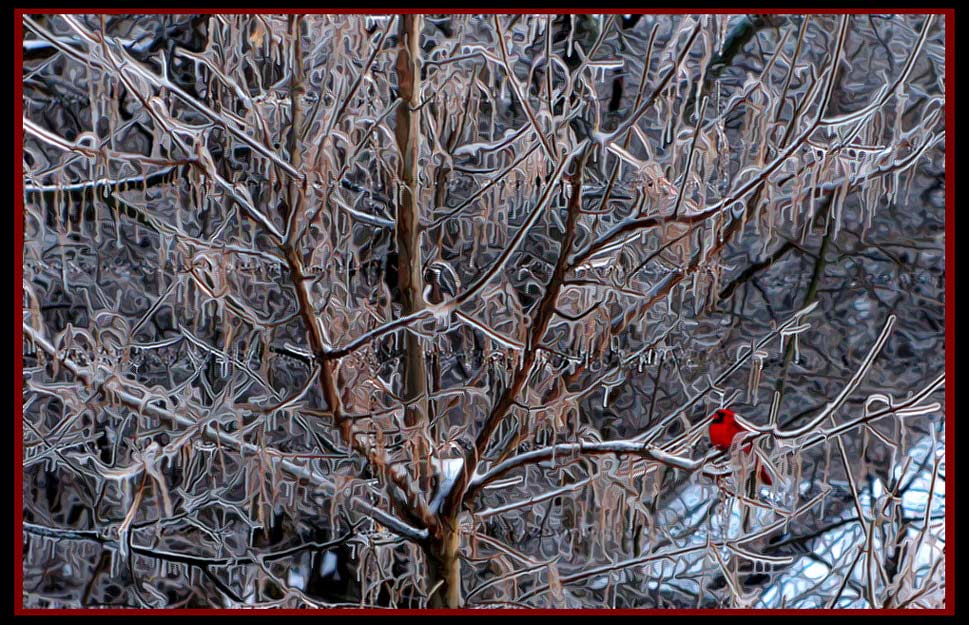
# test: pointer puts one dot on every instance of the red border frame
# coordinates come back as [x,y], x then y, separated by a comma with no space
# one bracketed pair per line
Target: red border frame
[950,199]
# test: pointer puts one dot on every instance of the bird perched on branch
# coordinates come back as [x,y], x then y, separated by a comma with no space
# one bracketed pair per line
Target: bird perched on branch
[725,425]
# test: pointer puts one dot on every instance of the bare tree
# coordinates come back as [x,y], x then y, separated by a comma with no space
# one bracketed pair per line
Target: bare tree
[432,311]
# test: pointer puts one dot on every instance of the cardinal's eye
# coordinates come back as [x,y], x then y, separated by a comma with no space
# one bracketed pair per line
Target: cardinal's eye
[719,416]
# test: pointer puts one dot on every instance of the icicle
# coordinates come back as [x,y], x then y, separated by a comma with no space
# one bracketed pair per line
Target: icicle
[571,33]
[753,380]
[842,198]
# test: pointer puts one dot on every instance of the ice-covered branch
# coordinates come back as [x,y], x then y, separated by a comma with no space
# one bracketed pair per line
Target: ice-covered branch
[116,389]
[572,450]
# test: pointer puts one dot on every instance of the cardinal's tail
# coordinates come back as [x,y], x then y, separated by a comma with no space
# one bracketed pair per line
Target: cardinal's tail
[761,465]
[765,476]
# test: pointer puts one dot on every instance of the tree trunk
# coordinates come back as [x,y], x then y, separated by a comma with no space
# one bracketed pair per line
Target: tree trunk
[444,569]
[408,242]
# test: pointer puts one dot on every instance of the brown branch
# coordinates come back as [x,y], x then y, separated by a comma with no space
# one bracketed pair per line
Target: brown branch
[541,319]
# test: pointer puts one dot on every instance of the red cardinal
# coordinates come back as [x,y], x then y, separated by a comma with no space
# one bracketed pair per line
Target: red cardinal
[724,427]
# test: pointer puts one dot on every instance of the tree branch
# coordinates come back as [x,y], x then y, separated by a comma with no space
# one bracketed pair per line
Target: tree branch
[588,448]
